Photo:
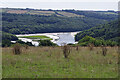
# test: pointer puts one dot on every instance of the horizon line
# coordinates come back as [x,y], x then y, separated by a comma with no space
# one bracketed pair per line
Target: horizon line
[60,9]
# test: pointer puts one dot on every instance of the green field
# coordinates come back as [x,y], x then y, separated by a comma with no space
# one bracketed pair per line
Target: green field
[49,62]
[36,37]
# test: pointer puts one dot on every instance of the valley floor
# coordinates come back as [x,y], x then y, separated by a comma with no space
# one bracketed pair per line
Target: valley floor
[49,62]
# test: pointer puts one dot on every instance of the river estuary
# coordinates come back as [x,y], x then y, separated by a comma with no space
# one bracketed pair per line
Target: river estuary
[58,38]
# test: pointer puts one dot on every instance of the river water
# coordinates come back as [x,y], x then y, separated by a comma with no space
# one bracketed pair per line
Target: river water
[58,38]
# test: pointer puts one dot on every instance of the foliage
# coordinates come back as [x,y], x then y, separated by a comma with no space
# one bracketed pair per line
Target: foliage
[109,31]
[24,43]
[20,42]
[46,43]
[26,23]
[6,43]
[85,41]
[7,38]
[29,43]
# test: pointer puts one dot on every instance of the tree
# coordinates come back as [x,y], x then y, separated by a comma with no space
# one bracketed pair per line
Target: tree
[6,43]
[46,43]
[96,42]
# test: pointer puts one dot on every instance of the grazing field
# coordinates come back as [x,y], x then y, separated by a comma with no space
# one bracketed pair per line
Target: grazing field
[36,37]
[68,14]
[49,62]
[46,13]
[17,11]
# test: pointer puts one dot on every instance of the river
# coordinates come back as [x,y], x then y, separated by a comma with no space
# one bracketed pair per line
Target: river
[58,38]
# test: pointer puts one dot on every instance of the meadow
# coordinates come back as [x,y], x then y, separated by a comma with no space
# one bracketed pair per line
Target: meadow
[36,37]
[49,62]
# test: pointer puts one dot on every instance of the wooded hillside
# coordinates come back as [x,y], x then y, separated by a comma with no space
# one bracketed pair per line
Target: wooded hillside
[17,21]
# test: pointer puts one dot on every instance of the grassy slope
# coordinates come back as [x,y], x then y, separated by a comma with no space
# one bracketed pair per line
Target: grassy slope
[40,12]
[49,62]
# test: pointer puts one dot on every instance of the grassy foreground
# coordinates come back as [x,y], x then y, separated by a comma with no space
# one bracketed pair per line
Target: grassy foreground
[49,62]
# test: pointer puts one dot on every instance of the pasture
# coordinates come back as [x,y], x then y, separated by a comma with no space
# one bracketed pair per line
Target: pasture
[36,37]
[49,62]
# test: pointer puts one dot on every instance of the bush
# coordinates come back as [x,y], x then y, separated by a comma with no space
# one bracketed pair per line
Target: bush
[17,49]
[20,42]
[96,42]
[29,44]
[26,46]
[6,43]
[46,43]
[24,43]
[66,51]
[104,51]
[91,46]
[77,48]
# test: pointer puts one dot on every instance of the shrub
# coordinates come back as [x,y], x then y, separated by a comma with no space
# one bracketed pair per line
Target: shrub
[66,51]
[17,49]
[104,51]
[24,43]
[91,46]
[20,42]
[26,46]
[97,42]
[46,43]
[77,47]
[29,44]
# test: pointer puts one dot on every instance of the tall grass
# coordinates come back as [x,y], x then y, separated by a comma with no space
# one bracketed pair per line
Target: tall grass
[48,62]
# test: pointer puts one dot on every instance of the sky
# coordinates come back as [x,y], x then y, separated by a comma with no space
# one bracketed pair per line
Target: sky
[59,0]
[62,4]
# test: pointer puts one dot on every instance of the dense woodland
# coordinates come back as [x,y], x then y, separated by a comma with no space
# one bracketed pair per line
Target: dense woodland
[27,23]
[109,31]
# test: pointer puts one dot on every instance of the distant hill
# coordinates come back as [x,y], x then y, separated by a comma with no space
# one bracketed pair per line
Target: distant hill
[62,13]
[24,21]
[109,31]
[40,12]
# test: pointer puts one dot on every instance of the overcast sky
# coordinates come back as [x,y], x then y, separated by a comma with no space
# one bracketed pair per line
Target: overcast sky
[62,4]
[59,0]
